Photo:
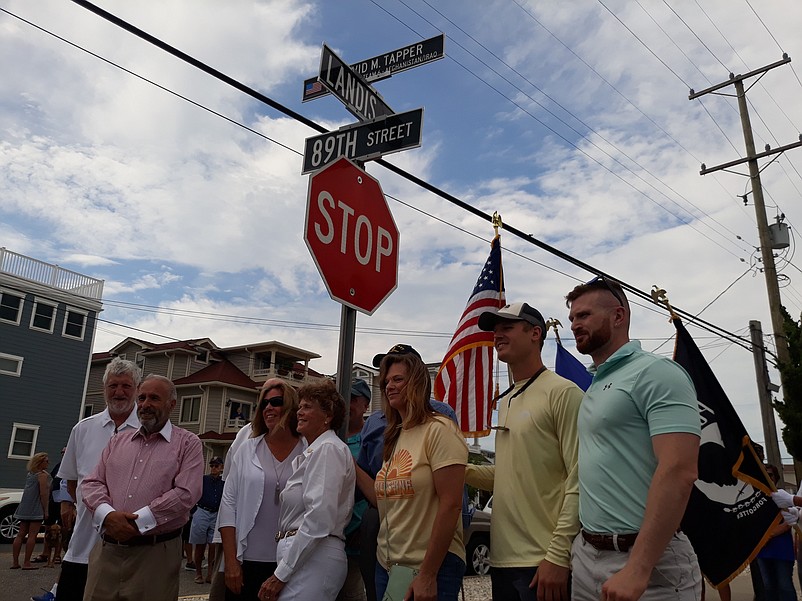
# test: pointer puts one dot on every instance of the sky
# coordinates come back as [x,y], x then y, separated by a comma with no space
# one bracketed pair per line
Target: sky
[570,119]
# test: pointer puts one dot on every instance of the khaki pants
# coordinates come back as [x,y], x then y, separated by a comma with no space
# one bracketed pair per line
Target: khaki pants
[118,573]
[676,575]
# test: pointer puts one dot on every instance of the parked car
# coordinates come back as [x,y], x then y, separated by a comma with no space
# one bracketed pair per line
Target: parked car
[489,505]
[477,544]
[9,499]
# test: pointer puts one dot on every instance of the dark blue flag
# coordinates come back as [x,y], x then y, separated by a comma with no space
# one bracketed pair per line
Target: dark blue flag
[569,367]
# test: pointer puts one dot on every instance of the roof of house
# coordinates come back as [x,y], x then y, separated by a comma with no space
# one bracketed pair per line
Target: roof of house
[223,371]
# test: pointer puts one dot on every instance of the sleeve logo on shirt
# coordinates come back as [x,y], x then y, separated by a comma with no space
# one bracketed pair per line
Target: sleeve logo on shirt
[394,480]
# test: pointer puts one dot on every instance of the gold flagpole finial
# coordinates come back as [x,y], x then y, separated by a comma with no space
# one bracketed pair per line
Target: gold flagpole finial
[496,221]
[660,298]
[553,324]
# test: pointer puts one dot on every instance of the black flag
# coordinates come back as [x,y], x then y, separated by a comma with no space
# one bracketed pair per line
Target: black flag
[730,512]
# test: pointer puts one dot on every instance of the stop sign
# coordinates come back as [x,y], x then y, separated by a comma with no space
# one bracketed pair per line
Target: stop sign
[352,235]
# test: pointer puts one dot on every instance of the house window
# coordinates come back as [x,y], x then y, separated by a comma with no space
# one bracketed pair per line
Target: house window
[10,365]
[190,409]
[74,323]
[43,316]
[202,356]
[139,359]
[23,441]
[88,409]
[10,306]
[239,413]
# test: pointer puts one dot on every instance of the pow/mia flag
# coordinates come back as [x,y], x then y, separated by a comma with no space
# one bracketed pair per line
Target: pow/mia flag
[730,512]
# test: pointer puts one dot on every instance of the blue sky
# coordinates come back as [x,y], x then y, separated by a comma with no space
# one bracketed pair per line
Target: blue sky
[571,119]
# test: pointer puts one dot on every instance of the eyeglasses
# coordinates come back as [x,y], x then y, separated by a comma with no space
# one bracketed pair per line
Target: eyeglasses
[600,279]
[276,401]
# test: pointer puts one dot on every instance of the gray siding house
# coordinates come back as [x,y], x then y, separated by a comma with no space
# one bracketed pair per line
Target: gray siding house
[47,325]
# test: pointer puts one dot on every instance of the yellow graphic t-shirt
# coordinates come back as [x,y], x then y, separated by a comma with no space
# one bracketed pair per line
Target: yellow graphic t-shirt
[406,495]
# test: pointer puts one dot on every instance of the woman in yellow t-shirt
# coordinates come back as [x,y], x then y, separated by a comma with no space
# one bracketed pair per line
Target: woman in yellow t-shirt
[419,487]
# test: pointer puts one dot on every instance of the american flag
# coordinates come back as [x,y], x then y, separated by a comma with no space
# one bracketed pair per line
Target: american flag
[465,378]
[313,88]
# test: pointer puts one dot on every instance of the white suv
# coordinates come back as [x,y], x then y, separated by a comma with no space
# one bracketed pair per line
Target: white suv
[9,500]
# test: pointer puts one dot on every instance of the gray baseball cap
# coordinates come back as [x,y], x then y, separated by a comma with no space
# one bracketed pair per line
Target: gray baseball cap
[360,388]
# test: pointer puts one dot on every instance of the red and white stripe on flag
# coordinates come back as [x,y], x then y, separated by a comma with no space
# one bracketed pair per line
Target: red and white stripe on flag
[465,378]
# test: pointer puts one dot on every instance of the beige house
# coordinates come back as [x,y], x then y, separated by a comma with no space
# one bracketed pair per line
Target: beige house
[217,387]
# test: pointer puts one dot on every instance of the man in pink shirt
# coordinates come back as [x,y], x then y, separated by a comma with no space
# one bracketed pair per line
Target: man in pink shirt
[140,495]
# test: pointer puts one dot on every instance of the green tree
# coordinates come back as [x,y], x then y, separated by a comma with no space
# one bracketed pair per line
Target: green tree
[790,408]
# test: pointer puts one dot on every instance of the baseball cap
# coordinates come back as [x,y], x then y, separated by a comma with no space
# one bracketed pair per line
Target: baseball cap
[512,312]
[216,460]
[398,349]
[360,388]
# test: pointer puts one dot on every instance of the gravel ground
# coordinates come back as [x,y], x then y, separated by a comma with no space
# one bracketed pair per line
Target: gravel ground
[477,588]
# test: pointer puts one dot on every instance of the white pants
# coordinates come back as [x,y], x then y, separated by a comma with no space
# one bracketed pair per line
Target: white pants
[322,574]
[676,575]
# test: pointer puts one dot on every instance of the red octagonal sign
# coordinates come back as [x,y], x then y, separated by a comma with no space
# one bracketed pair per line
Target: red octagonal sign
[352,235]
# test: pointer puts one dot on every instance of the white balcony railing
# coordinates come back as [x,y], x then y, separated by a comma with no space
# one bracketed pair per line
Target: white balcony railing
[38,271]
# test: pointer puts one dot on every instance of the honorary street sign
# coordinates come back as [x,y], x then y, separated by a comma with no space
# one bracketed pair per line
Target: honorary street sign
[352,236]
[365,141]
[383,66]
[359,97]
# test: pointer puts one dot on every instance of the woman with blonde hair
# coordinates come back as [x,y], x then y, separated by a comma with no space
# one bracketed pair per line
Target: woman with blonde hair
[249,510]
[419,487]
[32,509]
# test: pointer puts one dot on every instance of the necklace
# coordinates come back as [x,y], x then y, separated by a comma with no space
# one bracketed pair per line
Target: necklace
[277,491]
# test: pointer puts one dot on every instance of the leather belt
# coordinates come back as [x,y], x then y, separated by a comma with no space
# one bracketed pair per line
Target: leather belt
[143,539]
[285,534]
[209,509]
[611,542]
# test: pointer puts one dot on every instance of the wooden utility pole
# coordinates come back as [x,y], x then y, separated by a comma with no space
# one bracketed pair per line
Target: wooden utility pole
[767,254]
[770,442]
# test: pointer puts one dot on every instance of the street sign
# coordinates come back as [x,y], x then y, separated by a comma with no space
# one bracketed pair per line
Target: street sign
[359,97]
[352,236]
[385,65]
[365,141]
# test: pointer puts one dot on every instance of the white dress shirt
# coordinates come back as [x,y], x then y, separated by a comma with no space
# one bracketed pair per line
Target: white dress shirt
[317,500]
[87,440]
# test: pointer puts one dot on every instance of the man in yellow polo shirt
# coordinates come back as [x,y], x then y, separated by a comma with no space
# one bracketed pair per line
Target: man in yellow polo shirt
[534,480]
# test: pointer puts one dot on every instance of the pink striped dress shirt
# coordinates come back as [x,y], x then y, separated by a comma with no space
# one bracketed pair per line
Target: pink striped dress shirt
[161,474]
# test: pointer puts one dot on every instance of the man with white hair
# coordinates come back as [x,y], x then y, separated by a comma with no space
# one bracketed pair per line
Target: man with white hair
[87,440]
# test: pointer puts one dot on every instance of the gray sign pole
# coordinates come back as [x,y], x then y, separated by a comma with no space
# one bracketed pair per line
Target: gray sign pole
[345,361]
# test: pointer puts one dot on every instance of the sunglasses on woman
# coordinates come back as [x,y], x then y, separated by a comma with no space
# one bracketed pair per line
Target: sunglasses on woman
[276,401]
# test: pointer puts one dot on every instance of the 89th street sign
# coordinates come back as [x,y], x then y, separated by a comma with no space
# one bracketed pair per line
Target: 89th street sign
[365,141]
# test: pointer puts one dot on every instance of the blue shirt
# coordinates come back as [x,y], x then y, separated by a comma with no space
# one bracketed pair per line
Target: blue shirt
[372,447]
[212,493]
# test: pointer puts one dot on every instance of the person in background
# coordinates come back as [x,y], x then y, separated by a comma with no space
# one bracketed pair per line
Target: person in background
[205,518]
[32,510]
[354,588]
[316,505]
[419,487]
[249,510]
[53,514]
[140,495]
[776,558]
[368,464]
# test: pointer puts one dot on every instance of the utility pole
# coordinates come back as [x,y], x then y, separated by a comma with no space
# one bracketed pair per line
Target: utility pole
[769,268]
[770,441]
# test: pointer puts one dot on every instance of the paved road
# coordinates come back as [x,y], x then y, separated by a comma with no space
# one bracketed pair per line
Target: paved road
[18,585]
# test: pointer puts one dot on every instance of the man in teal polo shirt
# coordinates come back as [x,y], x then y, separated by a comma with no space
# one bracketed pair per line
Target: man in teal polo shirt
[639,431]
